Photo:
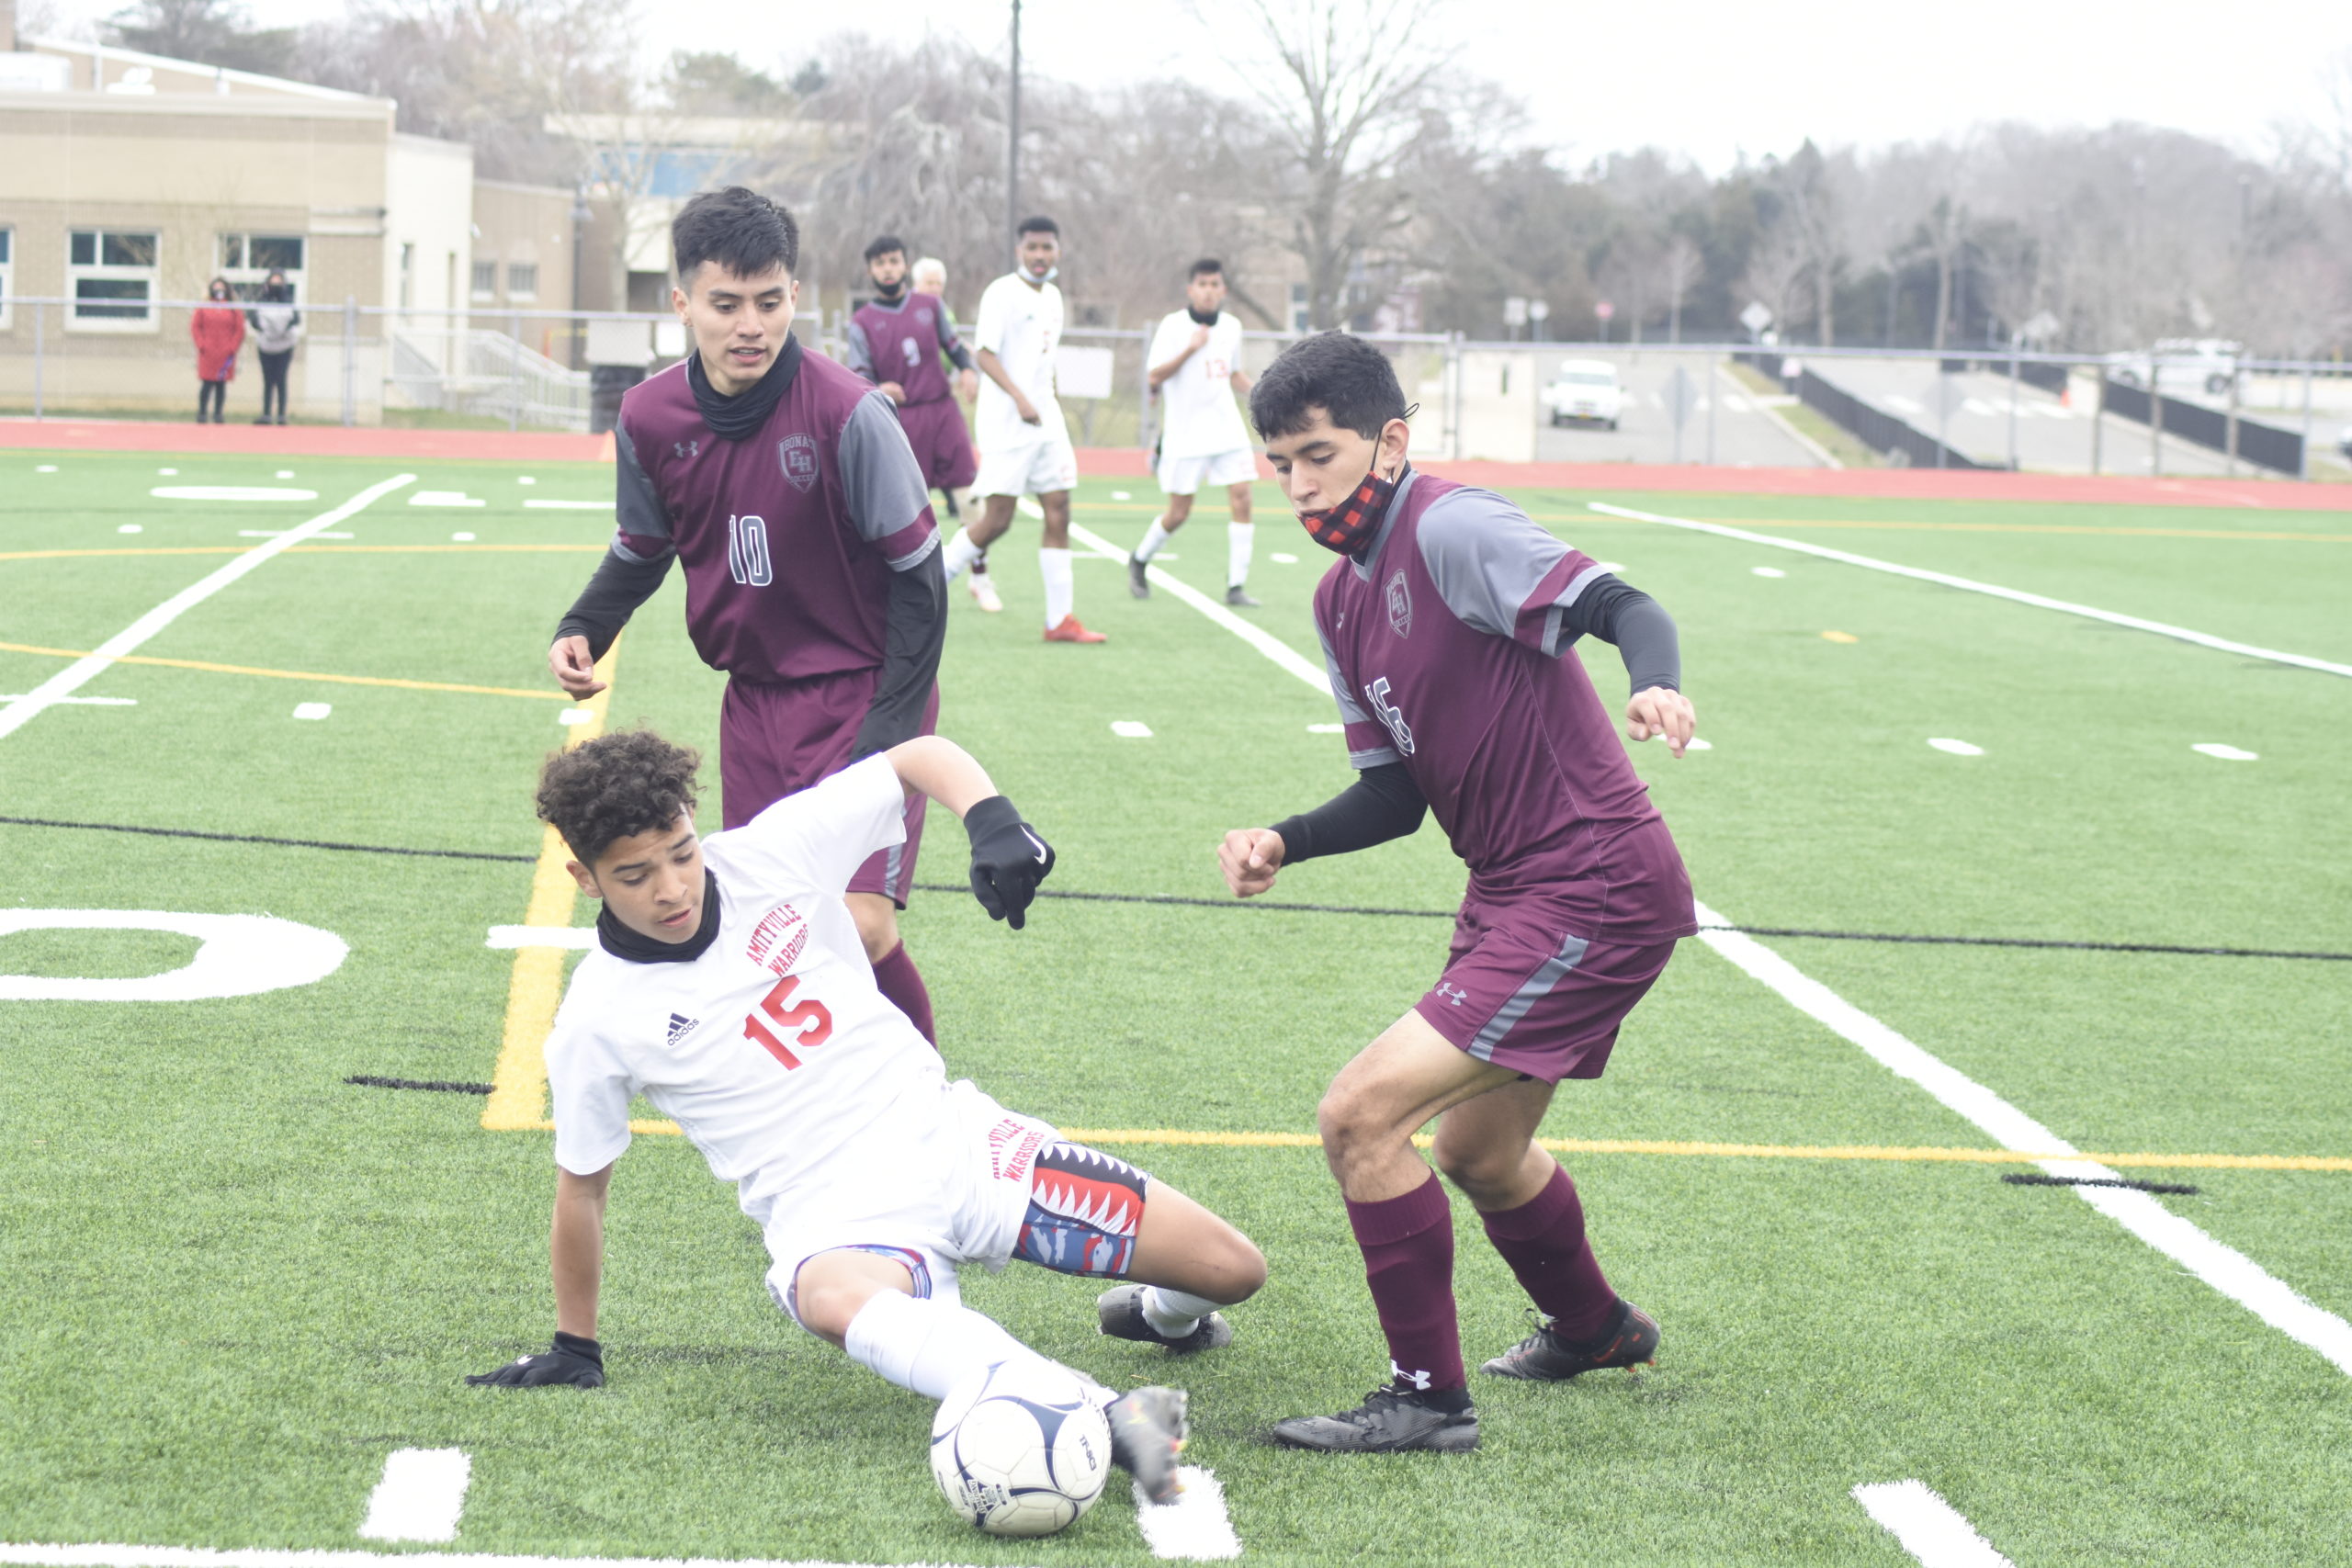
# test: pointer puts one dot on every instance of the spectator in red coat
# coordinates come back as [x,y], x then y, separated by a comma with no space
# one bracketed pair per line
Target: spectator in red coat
[219,330]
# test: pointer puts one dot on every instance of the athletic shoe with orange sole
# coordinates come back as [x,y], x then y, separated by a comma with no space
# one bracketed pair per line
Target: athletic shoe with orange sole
[984,592]
[1070,630]
[1630,1340]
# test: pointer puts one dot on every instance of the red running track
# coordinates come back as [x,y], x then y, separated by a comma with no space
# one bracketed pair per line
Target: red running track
[1108,462]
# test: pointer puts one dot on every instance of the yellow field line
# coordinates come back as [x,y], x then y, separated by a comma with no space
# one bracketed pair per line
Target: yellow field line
[518,1095]
[2009,528]
[311,551]
[297,674]
[1178,1138]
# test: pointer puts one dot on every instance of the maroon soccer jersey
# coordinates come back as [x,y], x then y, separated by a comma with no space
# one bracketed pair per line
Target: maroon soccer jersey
[788,537]
[902,341]
[1445,645]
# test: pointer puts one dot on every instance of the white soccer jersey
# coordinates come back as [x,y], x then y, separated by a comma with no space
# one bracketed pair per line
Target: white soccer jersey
[773,1050]
[1201,420]
[1023,326]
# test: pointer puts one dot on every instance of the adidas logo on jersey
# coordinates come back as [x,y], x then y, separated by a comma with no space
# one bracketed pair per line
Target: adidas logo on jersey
[680,1027]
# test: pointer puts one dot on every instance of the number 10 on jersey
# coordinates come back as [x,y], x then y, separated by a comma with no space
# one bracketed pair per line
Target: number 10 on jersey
[805,1023]
[747,552]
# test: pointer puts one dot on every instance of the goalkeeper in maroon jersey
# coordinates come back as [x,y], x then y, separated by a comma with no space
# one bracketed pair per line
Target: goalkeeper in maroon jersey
[1446,627]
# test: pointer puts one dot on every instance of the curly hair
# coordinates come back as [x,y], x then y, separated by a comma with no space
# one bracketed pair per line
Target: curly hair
[615,787]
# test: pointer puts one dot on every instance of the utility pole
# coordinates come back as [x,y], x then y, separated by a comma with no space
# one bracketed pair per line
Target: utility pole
[1013,138]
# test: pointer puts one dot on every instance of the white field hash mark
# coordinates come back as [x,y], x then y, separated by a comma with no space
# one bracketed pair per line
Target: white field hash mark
[1194,1526]
[2040,601]
[1928,1527]
[2228,1271]
[79,673]
[421,1495]
[2225,1268]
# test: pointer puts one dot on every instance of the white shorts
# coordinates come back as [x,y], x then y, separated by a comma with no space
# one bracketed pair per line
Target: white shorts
[1184,476]
[1035,468]
[972,1215]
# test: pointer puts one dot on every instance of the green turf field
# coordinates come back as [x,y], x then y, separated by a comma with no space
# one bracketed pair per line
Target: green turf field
[231,1283]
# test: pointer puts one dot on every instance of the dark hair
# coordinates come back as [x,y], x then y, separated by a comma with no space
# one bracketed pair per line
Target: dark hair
[883,245]
[1203,268]
[1340,374]
[1038,226]
[740,230]
[615,787]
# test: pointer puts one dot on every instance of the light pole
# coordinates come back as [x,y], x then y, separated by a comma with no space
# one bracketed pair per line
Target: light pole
[1012,137]
[1537,310]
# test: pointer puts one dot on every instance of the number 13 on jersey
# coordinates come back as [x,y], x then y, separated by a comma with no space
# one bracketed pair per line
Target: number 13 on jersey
[805,1023]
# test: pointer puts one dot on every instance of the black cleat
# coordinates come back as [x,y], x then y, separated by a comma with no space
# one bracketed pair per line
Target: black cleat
[1630,1340]
[1119,1312]
[1390,1420]
[1239,598]
[1148,1432]
[1138,584]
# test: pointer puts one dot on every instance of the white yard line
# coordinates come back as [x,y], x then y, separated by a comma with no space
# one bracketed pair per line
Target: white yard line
[2228,1271]
[421,1495]
[38,1555]
[2040,601]
[75,676]
[1194,1526]
[1257,637]
[1929,1528]
[2225,1268]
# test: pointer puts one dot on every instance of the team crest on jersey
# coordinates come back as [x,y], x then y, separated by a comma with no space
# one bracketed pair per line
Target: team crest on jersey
[798,455]
[1401,606]
[778,940]
[922,317]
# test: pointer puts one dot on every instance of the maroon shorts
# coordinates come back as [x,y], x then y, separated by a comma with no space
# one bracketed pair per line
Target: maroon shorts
[782,736]
[1524,992]
[942,442]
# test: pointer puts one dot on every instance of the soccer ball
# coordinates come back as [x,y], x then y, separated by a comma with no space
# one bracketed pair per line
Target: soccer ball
[1022,1448]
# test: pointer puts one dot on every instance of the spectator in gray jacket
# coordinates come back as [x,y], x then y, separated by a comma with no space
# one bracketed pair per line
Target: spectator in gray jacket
[277,327]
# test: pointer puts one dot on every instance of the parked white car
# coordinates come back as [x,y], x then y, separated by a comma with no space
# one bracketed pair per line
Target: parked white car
[1585,391]
[2189,364]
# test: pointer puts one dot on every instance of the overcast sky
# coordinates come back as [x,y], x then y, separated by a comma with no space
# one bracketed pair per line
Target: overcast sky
[1711,78]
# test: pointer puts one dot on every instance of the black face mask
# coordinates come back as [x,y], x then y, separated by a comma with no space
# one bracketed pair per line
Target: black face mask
[638,948]
[1201,321]
[741,417]
[889,292]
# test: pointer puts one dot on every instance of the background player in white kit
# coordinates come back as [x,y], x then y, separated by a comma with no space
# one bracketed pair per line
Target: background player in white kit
[730,986]
[1196,361]
[1024,442]
[930,276]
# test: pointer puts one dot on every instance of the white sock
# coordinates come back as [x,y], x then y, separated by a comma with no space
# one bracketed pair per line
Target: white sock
[1061,590]
[1173,1313]
[960,553]
[1238,539]
[927,1346]
[1153,538]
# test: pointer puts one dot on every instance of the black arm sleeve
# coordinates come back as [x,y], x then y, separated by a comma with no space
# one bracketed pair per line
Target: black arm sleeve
[1616,612]
[1383,804]
[916,630]
[622,582]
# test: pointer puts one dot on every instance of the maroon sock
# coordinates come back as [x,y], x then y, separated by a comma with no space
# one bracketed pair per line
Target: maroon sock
[1544,1242]
[1408,1261]
[901,986]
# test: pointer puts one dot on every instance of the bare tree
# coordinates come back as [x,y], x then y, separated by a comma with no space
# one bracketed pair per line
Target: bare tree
[1809,207]
[1344,101]
[1775,278]
[1679,266]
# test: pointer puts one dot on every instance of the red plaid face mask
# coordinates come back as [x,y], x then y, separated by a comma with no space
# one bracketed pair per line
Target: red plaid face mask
[1349,526]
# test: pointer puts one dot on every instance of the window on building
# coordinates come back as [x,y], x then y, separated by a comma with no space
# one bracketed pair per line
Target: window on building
[522,280]
[247,260]
[485,281]
[110,275]
[7,277]
[1299,312]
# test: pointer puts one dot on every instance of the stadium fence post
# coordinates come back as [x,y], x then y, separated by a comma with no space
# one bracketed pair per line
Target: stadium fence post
[515,372]
[39,350]
[2305,463]
[2229,429]
[350,359]
[1143,388]
[2156,416]
[2098,420]
[1715,396]
[2012,406]
[1453,394]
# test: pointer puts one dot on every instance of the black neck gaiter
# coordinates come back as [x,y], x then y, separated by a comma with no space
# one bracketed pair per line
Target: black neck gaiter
[741,417]
[1201,321]
[638,948]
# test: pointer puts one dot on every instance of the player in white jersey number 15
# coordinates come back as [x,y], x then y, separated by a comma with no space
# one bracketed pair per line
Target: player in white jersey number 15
[728,987]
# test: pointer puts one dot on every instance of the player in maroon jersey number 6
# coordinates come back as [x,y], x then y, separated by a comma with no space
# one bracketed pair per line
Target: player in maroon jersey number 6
[784,485]
[1446,628]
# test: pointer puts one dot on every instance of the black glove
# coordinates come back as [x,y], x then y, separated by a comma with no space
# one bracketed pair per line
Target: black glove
[580,1362]
[1008,859]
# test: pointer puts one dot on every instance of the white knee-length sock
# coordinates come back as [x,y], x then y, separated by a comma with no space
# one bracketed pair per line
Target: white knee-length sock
[1153,538]
[1174,1312]
[960,553]
[1061,590]
[928,1346]
[1238,537]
